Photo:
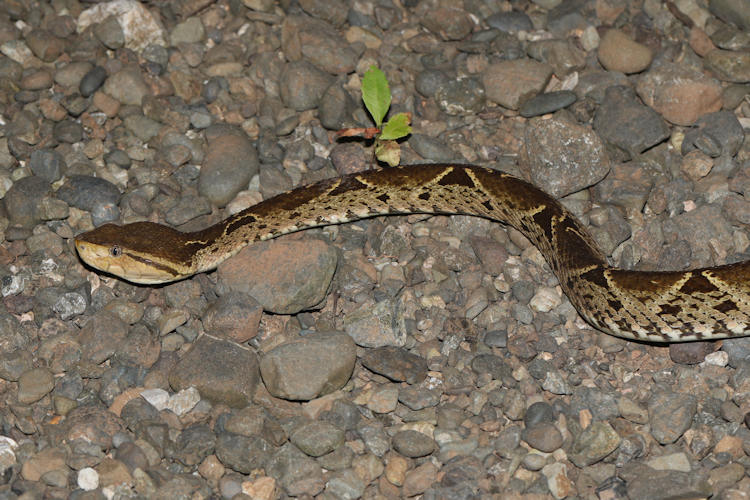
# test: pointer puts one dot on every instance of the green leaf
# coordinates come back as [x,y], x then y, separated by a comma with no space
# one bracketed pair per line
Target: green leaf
[388,151]
[396,128]
[376,94]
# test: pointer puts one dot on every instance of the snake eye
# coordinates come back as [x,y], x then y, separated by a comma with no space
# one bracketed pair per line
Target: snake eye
[115,251]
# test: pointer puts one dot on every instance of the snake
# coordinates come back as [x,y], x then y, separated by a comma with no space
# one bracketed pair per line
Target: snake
[656,306]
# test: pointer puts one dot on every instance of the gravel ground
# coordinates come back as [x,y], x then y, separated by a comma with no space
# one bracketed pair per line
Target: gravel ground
[404,356]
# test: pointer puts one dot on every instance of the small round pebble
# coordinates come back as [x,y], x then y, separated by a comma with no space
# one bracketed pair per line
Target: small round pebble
[34,384]
[88,479]
[619,52]
[413,444]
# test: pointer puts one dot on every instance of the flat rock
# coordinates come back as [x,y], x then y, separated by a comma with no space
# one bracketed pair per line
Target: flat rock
[626,123]
[678,93]
[284,276]
[223,372]
[510,83]
[670,414]
[309,367]
[729,65]
[646,483]
[396,363]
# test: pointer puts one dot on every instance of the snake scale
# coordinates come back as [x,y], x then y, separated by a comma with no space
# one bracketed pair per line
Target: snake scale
[672,306]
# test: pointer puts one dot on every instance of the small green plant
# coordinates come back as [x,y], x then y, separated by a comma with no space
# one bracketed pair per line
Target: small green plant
[376,95]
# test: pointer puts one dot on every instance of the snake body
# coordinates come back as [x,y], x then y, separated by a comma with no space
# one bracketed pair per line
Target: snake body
[676,306]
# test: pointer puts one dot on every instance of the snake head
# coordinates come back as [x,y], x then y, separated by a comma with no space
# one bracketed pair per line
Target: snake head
[141,252]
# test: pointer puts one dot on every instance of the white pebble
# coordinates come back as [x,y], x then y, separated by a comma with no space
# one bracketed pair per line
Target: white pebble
[7,452]
[183,401]
[88,479]
[718,358]
[157,398]
[545,299]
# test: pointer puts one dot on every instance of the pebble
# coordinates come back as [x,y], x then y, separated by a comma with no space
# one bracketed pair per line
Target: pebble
[230,162]
[303,85]
[336,107]
[110,33]
[317,438]
[310,367]
[557,480]
[511,21]
[42,462]
[543,437]
[93,194]
[88,479]
[715,134]
[297,473]
[594,443]
[127,86]
[619,52]
[565,57]
[431,148]
[428,82]
[620,106]
[242,453]
[396,363]
[184,401]
[34,384]
[383,399]
[678,93]
[548,102]
[413,444]
[139,26]
[670,415]
[584,162]
[511,83]
[652,483]
[234,316]
[303,272]
[419,479]
[674,461]
[729,66]
[449,23]
[320,44]
[47,164]
[222,372]
[75,105]
[345,485]
[44,45]
[92,80]
[732,12]
[376,325]
[459,97]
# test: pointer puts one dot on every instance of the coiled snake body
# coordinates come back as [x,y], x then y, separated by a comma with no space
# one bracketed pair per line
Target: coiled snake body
[709,303]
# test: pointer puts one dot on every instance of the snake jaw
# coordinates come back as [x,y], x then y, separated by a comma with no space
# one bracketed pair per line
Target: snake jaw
[99,257]
[96,256]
